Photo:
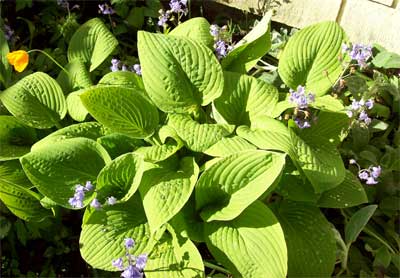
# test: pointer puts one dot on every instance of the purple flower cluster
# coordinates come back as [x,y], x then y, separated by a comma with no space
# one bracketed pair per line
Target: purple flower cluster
[301,99]
[135,266]
[116,65]
[79,196]
[105,9]
[8,32]
[370,175]
[222,40]
[359,52]
[358,110]
[176,7]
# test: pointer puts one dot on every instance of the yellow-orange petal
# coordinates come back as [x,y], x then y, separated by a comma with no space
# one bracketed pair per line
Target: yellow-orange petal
[19,59]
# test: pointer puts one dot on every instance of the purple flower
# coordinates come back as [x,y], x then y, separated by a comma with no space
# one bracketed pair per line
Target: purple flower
[349,113]
[355,105]
[363,174]
[376,171]
[361,53]
[369,103]
[95,204]
[131,272]
[137,69]
[345,48]
[111,200]
[178,6]
[141,261]
[105,9]
[63,4]
[222,48]
[124,68]
[118,263]
[302,123]
[88,186]
[115,65]
[79,196]
[371,180]
[75,202]
[129,243]
[300,98]
[364,117]
[352,161]
[163,18]
[214,30]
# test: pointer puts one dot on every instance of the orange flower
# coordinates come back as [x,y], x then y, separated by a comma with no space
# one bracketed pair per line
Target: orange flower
[19,59]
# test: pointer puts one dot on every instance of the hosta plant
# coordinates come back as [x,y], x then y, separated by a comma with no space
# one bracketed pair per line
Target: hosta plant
[193,163]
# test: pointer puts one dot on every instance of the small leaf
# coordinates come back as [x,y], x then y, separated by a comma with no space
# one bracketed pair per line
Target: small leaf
[357,223]
[185,74]
[245,98]
[252,245]
[229,186]
[104,231]
[198,137]
[78,77]
[57,168]
[311,57]
[310,240]
[349,193]
[387,60]
[91,43]
[165,192]
[15,138]
[76,109]
[121,109]
[196,28]
[36,100]
[251,48]
[121,177]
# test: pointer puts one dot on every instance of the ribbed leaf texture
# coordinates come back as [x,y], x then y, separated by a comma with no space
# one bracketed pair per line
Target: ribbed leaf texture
[122,110]
[91,43]
[77,78]
[124,79]
[197,29]
[229,145]
[245,98]
[310,240]
[179,74]
[56,168]
[76,109]
[36,100]
[229,186]
[311,57]
[250,246]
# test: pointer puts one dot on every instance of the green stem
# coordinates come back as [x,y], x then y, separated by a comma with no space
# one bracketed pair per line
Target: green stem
[216,267]
[378,237]
[51,58]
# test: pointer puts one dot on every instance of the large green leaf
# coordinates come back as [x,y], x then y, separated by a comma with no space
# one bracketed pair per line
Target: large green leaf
[16,195]
[349,193]
[121,177]
[229,186]
[91,43]
[176,257]
[104,231]
[251,48]
[311,57]
[357,223]
[310,240]
[90,130]
[122,110]
[229,145]
[245,98]
[125,79]
[179,74]
[117,144]
[250,246]
[158,153]
[76,109]
[36,100]
[77,78]
[15,138]
[5,68]
[198,137]
[165,191]
[56,168]
[197,29]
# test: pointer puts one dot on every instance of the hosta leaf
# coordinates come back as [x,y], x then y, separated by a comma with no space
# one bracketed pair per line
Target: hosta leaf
[329,103]
[5,67]
[15,138]
[15,193]
[76,109]
[36,100]
[229,186]
[198,137]
[165,192]
[77,78]
[123,79]
[158,153]
[251,48]
[349,193]
[250,246]
[117,144]
[122,110]
[179,74]
[310,240]
[174,257]
[58,167]
[121,177]
[311,57]
[229,145]
[197,29]
[91,43]
[245,98]
[104,231]
[90,130]
[357,223]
